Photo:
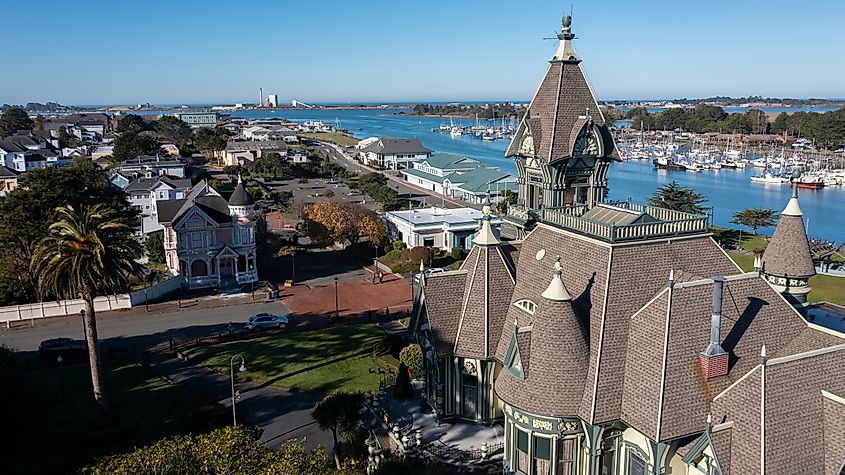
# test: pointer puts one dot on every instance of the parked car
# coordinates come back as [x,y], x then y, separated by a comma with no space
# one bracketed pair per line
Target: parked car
[266,320]
[64,347]
[333,181]
[354,193]
[433,270]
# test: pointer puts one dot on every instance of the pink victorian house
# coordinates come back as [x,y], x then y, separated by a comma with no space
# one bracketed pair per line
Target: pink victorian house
[209,241]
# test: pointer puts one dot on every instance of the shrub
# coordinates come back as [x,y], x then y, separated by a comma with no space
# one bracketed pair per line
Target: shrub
[393,255]
[403,389]
[420,253]
[398,245]
[411,356]
[456,253]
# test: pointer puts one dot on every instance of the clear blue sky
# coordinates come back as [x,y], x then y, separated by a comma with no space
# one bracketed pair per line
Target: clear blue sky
[179,51]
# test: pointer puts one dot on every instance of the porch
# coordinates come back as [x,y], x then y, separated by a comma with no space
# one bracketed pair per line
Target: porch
[413,426]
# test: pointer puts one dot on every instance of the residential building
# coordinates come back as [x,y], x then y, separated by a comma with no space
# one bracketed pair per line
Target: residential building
[393,154]
[210,241]
[8,180]
[199,119]
[149,166]
[442,228]
[619,339]
[244,153]
[145,193]
[460,177]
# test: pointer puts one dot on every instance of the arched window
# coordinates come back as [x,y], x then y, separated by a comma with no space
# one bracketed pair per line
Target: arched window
[199,268]
[526,305]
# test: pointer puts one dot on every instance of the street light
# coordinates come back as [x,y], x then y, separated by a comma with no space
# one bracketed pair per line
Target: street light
[336,305]
[235,396]
[61,377]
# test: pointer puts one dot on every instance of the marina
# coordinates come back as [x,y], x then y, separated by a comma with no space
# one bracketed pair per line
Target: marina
[727,189]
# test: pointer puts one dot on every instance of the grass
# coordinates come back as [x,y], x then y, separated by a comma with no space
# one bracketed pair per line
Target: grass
[336,138]
[339,358]
[826,288]
[58,436]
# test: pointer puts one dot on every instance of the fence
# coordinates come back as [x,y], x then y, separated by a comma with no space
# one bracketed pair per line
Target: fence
[62,308]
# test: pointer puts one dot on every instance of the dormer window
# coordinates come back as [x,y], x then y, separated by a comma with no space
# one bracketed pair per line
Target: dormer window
[513,360]
[526,305]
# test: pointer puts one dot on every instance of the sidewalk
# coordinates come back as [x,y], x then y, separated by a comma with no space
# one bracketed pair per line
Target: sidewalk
[278,413]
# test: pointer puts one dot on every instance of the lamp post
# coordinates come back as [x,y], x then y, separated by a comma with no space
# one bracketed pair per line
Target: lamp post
[61,377]
[235,396]
[336,303]
[146,300]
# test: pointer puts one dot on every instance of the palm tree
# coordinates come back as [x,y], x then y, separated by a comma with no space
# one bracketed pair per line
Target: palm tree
[336,413]
[86,253]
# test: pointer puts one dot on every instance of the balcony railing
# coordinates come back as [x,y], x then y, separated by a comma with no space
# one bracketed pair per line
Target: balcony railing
[669,222]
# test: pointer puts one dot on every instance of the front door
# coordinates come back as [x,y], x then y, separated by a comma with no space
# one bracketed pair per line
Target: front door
[469,395]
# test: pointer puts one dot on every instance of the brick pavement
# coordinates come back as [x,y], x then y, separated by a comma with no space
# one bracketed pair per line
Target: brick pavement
[354,297]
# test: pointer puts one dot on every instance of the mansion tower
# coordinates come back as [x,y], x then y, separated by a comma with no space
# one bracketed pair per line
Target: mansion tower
[616,338]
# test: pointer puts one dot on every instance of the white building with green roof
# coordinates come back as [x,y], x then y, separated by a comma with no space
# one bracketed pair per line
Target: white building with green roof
[460,177]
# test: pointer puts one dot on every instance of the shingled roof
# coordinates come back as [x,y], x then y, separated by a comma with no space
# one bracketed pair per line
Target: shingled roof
[800,399]
[552,346]
[788,252]
[563,98]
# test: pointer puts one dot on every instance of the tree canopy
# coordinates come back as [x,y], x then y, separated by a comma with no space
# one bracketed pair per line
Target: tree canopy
[679,198]
[13,120]
[827,128]
[28,211]
[171,128]
[755,218]
[131,123]
[129,145]
[331,221]
[233,450]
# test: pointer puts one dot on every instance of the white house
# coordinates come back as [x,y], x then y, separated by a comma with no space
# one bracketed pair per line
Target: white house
[437,227]
[394,154]
[145,194]
[147,165]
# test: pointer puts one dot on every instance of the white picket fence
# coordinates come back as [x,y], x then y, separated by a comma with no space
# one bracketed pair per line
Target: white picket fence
[72,307]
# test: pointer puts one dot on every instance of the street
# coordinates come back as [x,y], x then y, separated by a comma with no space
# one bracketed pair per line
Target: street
[405,189]
[278,413]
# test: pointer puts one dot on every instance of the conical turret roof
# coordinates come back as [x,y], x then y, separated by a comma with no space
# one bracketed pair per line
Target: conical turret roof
[788,252]
[240,197]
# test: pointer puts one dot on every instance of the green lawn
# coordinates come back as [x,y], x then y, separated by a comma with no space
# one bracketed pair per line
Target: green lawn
[58,436]
[339,358]
[825,288]
[334,137]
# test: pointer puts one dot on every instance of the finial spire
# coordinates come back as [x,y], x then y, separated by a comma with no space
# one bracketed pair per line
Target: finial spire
[485,235]
[556,290]
[565,51]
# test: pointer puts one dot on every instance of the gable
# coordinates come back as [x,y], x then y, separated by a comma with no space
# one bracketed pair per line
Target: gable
[194,219]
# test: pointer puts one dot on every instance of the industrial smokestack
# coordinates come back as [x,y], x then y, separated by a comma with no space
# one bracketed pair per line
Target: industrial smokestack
[260,97]
[714,359]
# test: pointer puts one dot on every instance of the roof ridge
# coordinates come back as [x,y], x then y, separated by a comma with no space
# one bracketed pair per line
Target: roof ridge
[805,355]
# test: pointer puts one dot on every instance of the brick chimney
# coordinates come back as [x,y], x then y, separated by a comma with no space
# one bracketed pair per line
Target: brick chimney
[714,359]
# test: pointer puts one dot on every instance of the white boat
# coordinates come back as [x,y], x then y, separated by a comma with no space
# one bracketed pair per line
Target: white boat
[768,178]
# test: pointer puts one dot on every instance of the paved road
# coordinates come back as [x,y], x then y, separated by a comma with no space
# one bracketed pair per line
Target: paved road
[405,189]
[137,329]
[278,413]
